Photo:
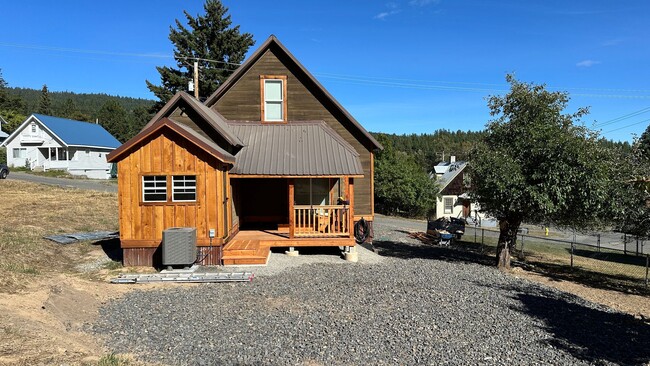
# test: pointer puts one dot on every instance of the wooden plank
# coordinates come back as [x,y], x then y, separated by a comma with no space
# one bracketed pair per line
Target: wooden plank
[292,213]
[218,203]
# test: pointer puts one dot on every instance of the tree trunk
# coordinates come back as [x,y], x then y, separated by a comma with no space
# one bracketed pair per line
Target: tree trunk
[507,239]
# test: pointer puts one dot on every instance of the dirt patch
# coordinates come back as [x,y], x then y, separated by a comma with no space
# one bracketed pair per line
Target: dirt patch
[44,323]
[636,305]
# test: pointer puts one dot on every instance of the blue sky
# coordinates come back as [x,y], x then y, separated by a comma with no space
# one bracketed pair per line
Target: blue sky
[402,66]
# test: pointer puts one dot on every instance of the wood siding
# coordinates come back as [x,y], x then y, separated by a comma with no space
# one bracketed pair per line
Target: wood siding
[242,103]
[142,224]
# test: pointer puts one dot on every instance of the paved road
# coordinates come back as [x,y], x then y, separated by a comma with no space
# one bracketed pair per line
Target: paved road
[607,239]
[88,184]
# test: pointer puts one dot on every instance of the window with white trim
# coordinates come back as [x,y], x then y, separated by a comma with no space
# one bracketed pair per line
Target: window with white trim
[154,188]
[274,90]
[448,205]
[20,153]
[184,188]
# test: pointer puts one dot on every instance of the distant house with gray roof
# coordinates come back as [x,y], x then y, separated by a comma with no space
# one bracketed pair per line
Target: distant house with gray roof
[44,143]
[453,200]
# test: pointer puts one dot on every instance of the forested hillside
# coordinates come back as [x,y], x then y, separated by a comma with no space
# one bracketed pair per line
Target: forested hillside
[88,104]
[123,117]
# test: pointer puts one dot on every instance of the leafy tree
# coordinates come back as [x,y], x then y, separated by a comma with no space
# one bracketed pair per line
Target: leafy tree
[401,185]
[209,37]
[114,119]
[45,104]
[13,118]
[644,144]
[537,165]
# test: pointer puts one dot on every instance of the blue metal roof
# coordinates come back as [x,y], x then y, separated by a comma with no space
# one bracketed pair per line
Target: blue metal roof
[79,133]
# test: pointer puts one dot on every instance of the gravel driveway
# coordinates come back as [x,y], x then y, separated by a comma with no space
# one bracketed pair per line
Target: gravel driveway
[413,305]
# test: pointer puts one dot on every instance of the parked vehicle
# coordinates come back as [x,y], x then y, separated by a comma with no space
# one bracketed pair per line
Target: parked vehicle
[446,229]
[4,171]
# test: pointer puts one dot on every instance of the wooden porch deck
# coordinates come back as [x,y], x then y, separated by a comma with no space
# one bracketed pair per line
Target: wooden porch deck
[254,246]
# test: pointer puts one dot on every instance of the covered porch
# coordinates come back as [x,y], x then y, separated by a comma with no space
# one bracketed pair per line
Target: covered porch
[308,212]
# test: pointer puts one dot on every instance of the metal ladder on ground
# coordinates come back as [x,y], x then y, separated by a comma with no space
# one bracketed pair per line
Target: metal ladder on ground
[185,277]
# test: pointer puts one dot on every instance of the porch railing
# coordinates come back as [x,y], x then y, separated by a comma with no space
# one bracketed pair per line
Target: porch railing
[321,221]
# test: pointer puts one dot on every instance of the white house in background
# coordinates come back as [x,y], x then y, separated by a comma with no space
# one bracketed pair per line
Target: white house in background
[3,135]
[48,143]
[453,200]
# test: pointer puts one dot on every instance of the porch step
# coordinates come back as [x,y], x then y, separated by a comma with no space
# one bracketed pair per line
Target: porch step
[244,252]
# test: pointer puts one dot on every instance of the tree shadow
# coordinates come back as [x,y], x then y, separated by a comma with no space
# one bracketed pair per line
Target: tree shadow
[590,334]
[586,277]
[459,251]
[605,256]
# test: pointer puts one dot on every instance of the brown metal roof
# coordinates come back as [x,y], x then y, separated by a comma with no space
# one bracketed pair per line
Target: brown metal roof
[213,118]
[294,149]
[193,136]
[319,91]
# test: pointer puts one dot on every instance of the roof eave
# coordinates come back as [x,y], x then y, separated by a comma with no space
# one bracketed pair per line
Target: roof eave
[223,88]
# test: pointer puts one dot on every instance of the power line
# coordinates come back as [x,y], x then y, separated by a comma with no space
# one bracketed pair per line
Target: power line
[633,124]
[623,117]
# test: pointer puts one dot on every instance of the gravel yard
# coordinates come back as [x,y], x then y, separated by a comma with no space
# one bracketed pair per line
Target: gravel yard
[406,307]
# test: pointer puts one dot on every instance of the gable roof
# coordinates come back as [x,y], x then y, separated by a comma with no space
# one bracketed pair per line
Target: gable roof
[73,133]
[294,149]
[453,170]
[214,119]
[302,73]
[167,124]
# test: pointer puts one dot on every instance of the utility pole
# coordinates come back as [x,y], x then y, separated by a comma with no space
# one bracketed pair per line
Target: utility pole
[196,79]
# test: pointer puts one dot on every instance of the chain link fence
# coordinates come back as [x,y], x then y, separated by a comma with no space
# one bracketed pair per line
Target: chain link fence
[610,264]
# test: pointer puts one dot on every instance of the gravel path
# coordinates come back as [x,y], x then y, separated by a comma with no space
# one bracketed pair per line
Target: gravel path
[382,310]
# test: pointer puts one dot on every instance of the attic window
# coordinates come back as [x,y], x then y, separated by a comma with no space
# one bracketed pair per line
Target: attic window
[33,127]
[273,97]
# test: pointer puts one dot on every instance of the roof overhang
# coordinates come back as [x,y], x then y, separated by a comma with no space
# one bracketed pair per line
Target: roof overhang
[302,73]
[211,117]
[167,124]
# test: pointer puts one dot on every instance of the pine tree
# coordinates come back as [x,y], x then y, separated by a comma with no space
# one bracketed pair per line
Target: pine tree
[208,37]
[113,118]
[45,104]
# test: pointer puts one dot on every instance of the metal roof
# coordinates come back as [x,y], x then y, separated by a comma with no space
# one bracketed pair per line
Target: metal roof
[184,131]
[77,133]
[214,119]
[308,148]
[453,170]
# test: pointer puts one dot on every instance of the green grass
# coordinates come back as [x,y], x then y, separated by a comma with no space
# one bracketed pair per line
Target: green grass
[112,360]
[112,265]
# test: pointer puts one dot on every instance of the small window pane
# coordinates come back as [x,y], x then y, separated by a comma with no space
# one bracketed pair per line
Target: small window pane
[154,188]
[273,90]
[273,111]
[449,205]
[20,153]
[184,188]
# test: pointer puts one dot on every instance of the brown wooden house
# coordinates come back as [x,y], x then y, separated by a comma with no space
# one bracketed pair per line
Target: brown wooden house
[270,160]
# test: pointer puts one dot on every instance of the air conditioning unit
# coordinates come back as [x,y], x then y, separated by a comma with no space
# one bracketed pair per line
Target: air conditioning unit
[179,246]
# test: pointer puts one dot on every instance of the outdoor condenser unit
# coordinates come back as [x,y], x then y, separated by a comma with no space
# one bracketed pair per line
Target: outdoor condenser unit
[179,246]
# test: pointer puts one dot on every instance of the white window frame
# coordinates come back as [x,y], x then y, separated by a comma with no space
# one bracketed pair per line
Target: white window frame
[282,80]
[34,130]
[18,150]
[157,180]
[183,184]
[451,205]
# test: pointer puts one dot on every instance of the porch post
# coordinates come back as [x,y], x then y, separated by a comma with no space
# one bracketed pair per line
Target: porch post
[291,209]
[349,195]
